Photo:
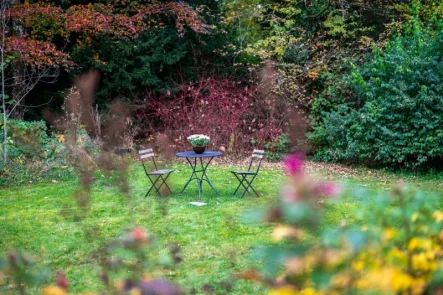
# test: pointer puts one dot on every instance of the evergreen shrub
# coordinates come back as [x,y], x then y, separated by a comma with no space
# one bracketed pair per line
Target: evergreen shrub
[394,113]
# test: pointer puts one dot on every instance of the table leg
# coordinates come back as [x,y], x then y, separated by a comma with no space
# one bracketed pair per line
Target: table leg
[204,176]
[192,175]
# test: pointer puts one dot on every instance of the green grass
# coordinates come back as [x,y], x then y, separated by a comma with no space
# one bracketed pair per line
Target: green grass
[215,241]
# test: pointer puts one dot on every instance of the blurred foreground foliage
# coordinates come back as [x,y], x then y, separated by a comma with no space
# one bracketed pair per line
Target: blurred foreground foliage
[394,247]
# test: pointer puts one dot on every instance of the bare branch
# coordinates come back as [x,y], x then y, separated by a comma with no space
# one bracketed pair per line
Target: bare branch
[39,105]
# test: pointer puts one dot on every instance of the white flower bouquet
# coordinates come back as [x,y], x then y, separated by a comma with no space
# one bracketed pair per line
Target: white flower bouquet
[198,140]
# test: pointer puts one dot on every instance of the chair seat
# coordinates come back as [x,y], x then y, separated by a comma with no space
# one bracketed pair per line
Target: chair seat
[244,172]
[160,172]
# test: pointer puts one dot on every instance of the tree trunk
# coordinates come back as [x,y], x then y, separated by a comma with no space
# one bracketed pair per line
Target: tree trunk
[18,73]
[3,94]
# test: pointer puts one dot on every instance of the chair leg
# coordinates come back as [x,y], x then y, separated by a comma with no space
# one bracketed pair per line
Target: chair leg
[238,186]
[243,177]
[242,180]
[258,196]
[164,182]
[157,189]
[167,186]
[250,186]
[152,186]
[245,187]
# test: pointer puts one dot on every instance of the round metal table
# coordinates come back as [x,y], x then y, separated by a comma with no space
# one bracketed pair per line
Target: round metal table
[192,157]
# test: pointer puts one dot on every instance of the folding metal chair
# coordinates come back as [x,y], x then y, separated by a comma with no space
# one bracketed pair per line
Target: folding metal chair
[242,176]
[157,175]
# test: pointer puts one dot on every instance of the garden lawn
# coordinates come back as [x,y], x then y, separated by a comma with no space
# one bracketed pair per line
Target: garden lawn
[216,240]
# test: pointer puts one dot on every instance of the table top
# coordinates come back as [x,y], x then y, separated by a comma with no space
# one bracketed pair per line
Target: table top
[192,154]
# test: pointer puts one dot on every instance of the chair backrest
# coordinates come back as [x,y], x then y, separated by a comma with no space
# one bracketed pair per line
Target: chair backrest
[147,154]
[257,156]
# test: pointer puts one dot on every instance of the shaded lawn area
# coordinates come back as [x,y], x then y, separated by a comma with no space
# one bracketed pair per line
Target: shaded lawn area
[215,241]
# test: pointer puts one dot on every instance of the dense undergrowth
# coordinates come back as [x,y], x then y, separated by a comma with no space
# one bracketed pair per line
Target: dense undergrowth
[34,155]
[363,77]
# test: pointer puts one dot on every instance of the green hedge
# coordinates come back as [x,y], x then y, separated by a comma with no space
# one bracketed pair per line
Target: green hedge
[395,114]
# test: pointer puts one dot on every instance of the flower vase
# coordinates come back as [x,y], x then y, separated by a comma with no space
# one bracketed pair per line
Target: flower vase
[199,149]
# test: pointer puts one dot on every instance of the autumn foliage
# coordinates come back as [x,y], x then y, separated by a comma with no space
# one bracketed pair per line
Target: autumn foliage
[44,23]
[221,108]
[37,53]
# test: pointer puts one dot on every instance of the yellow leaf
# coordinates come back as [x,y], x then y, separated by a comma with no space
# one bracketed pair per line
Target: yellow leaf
[401,281]
[388,234]
[308,291]
[419,243]
[358,265]
[53,290]
[438,216]
[340,280]
[284,290]
[313,75]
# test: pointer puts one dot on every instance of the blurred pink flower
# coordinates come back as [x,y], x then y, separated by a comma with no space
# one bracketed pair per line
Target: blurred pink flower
[62,282]
[331,189]
[139,234]
[295,164]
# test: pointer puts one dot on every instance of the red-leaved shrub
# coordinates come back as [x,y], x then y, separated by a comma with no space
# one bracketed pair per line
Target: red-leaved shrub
[230,113]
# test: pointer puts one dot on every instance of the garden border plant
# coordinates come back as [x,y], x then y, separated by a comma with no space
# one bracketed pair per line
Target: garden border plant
[393,116]
[232,114]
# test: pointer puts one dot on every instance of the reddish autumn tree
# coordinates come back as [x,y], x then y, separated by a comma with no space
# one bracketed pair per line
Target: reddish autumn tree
[232,114]
[35,35]
[38,32]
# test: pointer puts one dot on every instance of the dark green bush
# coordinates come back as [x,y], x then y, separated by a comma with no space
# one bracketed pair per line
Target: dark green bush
[33,155]
[395,114]
[276,150]
[143,63]
[26,139]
